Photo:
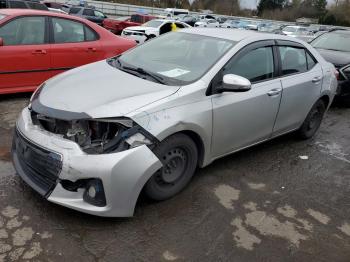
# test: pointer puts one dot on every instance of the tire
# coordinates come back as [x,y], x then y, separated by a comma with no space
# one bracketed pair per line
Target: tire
[313,120]
[179,156]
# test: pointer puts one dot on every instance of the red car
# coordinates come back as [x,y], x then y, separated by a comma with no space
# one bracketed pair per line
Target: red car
[117,26]
[36,45]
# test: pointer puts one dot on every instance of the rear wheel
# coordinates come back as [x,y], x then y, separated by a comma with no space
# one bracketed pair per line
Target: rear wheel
[313,120]
[179,156]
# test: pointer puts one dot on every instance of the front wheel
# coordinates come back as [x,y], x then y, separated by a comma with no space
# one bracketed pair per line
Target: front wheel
[179,156]
[313,120]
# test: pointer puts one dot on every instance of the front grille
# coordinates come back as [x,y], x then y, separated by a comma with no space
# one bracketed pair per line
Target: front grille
[40,165]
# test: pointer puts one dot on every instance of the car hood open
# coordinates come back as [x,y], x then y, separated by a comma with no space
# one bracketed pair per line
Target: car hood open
[97,90]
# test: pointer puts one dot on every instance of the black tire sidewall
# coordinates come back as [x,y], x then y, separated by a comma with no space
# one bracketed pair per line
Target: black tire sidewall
[304,133]
[152,189]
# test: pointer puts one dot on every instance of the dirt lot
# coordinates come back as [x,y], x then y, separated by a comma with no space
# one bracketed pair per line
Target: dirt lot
[285,200]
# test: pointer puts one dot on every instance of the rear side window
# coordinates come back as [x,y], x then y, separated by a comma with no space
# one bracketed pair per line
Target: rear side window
[89,34]
[74,10]
[68,31]
[17,4]
[24,31]
[256,65]
[88,12]
[99,14]
[293,60]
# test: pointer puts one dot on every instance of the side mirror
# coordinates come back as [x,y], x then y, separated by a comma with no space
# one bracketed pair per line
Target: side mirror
[234,83]
[1,42]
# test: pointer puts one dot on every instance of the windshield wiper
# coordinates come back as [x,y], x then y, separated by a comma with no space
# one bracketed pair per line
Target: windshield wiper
[140,70]
[114,61]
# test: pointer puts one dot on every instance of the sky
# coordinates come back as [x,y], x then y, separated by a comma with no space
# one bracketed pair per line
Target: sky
[251,4]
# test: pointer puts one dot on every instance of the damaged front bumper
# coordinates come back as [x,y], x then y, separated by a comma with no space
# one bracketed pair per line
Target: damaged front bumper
[51,164]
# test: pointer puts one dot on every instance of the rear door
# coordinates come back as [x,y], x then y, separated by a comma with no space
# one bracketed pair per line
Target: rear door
[73,44]
[25,56]
[301,78]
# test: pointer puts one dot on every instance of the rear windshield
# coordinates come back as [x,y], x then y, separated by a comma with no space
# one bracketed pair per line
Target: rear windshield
[337,40]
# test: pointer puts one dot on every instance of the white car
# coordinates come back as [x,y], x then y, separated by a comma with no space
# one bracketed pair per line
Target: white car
[151,29]
[207,23]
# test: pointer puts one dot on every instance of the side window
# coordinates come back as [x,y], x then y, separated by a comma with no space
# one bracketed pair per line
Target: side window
[74,10]
[67,31]
[311,62]
[88,12]
[37,6]
[178,25]
[293,60]
[256,65]
[99,14]
[24,31]
[89,34]
[17,4]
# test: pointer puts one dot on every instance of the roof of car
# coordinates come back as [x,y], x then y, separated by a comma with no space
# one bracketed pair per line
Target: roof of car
[20,12]
[229,34]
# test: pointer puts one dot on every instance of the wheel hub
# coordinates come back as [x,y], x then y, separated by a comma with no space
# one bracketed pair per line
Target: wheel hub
[174,164]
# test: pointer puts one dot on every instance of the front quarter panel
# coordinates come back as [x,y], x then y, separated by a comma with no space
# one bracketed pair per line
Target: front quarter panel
[187,110]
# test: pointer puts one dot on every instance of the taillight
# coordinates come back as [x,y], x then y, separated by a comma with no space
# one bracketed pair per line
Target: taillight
[336,73]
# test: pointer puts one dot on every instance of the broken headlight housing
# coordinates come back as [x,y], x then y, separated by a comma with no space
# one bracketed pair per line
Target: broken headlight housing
[98,136]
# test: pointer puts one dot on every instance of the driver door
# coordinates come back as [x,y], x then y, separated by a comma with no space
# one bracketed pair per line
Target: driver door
[245,118]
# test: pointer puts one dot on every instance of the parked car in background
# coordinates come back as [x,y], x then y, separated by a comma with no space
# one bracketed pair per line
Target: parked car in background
[189,19]
[334,46]
[252,25]
[151,29]
[273,28]
[301,32]
[116,26]
[19,4]
[55,7]
[207,23]
[230,23]
[173,12]
[29,56]
[147,119]
[221,19]
[88,13]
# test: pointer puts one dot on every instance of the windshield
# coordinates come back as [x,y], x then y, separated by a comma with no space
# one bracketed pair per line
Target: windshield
[335,40]
[178,58]
[153,23]
[2,16]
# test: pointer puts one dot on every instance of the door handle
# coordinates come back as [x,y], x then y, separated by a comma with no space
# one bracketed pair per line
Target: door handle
[316,79]
[274,92]
[39,52]
[91,49]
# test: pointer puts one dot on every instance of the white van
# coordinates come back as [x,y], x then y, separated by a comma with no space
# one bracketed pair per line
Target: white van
[171,12]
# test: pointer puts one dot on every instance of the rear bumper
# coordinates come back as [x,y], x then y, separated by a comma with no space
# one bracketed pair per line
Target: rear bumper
[122,179]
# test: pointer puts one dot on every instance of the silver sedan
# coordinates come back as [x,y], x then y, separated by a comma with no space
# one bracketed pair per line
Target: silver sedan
[92,138]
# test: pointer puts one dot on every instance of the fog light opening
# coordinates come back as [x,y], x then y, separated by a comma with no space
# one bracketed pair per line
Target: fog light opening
[94,193]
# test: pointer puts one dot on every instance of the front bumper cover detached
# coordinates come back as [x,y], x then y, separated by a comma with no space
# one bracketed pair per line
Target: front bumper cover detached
[45,161]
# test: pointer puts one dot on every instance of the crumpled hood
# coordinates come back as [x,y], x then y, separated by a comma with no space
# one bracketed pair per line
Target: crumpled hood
[337,58]
[99,90]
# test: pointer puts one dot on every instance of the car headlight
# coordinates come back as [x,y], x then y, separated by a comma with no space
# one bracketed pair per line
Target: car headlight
[98,136]
[37,92]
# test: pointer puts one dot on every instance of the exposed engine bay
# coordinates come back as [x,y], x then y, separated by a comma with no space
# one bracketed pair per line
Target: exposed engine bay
[97,136]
